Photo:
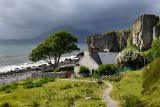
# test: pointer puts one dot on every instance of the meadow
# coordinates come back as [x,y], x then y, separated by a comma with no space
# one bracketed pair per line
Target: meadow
[47,92]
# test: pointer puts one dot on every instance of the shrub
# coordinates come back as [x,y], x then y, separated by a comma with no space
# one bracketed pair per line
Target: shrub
[35,104]
[10,87]
[66,86]
[100,82]
[129,41]
[6,104]
[131,101]
[84,70]
[30,84]
[105,69]
[110,33]
[154,52]
[130,58]
[158,24]
[57,70]
[115,79]
[133,47]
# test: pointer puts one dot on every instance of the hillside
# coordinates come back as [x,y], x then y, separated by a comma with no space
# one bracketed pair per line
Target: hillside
[139,88]
[80,33]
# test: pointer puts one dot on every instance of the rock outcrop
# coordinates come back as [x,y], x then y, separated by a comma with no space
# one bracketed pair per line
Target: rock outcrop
[113,41]
[145,29]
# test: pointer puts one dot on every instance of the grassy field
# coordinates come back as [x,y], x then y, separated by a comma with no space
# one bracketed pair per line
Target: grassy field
[138,88]
[131,84]
[58,93]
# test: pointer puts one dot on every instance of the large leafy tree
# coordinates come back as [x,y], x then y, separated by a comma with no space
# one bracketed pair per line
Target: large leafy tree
[54,47]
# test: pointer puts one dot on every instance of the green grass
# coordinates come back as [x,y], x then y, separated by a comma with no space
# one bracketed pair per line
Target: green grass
[39,83]
[130,84]
[58,93]
[139,88]
[158,24]
[110,33]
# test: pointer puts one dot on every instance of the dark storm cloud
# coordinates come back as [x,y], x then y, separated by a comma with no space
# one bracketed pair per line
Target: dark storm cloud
[28,18]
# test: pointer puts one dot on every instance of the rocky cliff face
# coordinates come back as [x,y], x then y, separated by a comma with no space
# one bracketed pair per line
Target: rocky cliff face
[113,41]
[145,29]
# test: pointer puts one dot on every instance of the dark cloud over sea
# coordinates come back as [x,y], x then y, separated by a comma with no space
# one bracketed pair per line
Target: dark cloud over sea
[29,18]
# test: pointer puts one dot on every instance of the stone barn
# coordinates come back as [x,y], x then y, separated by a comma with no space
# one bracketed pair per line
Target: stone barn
[93,60]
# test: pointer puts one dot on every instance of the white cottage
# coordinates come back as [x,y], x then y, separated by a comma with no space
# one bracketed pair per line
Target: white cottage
[93,60]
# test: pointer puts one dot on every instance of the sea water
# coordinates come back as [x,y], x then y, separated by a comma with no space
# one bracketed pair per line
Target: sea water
[16,56]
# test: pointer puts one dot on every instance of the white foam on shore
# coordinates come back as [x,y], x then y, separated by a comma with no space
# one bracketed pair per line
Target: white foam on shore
[30,64]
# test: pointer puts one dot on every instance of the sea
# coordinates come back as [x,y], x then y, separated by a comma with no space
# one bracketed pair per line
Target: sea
[13,56]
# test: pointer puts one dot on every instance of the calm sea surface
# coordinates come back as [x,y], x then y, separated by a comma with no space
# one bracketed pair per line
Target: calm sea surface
[16,56]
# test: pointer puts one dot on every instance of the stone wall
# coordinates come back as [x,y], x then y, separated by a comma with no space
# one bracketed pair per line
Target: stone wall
[49,74]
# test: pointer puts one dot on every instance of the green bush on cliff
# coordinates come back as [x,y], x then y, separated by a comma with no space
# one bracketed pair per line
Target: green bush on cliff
[110,33]
[158,24]
[129,40]
[133,47]
[154,52]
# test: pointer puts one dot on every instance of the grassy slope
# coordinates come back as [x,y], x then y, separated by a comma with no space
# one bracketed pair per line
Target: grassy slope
[58,93]
[135,82]
[130,84]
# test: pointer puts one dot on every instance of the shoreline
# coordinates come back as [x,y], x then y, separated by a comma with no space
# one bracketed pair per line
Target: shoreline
[18,75]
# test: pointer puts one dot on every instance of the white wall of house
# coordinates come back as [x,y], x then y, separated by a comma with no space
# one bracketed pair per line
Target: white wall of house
[86,61]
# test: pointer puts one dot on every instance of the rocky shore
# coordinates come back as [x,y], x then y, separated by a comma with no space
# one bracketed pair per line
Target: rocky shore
[22,74]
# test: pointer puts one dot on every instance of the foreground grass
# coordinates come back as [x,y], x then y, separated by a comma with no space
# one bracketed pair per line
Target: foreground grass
[58,94]
[131,84]
[139,88]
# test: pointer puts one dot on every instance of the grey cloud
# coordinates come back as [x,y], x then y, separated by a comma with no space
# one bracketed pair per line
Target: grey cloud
[29,18]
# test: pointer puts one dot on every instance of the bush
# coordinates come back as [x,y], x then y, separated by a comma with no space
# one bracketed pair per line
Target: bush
[130,58]
[100,82]
[158,24]
[133,47]
[57,70]
[35,104]
[105,69]
[66,86]
[115,79]
[31,84]
[154,52]
[84,70]
[6,104]
[10,87]
[110,33]
[131,101]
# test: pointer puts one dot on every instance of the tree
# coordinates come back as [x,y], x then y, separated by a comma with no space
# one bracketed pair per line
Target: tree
[54,47]
[130,58]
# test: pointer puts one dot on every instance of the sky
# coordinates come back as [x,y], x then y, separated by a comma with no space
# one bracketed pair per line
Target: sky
[30,18]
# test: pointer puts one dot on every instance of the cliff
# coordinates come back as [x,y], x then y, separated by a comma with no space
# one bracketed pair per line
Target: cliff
[145,29]
[113,41]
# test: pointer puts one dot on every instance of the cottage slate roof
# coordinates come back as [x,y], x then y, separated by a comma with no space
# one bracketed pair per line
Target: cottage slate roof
[104,57]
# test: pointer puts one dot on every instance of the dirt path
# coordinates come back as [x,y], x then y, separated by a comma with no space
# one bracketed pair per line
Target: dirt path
[106,94]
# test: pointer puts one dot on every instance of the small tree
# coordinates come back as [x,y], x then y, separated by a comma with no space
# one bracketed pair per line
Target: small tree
[54,47]
[130,58]
[84,70]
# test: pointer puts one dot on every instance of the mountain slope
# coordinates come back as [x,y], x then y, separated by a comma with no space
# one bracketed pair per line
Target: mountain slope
[80,33]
